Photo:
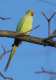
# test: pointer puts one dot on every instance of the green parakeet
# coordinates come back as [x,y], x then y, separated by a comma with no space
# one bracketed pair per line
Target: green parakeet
[24,25]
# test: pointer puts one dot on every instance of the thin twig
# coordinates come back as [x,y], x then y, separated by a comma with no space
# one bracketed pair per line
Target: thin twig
[5,18]
[4,52]
[52,15]
[45,72]
[42,12]
[4,77]
[50,37]
[48,20]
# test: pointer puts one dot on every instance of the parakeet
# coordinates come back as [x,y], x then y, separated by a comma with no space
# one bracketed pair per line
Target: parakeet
[24,25]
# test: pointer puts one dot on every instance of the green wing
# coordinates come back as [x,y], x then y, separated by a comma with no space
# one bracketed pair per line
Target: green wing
[20,24]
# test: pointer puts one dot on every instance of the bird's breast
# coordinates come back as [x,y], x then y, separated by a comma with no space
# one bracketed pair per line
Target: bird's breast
[27,25]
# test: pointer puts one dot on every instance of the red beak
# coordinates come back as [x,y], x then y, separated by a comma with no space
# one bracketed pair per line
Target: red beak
[32,13]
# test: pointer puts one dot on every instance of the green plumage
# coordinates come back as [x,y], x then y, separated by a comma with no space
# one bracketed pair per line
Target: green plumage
[20,24]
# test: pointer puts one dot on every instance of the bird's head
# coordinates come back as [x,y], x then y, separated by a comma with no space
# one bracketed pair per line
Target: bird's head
[30,12]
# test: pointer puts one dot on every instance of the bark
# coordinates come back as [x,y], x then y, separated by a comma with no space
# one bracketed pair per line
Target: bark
[28,38]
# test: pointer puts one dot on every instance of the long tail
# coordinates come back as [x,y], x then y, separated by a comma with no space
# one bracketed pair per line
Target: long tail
[10,57]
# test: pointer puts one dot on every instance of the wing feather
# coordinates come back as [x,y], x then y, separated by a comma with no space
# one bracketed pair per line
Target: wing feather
[20,24]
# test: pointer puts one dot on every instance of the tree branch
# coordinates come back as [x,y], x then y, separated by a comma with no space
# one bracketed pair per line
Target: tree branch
[48,20]
[50,37]
[27,38]
[45,72]
[4,77]
[5,18]
[5,51]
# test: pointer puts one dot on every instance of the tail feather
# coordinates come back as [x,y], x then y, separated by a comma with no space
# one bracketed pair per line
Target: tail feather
[10,57]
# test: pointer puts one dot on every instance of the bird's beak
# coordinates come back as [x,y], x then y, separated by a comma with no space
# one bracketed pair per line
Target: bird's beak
[32,13]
